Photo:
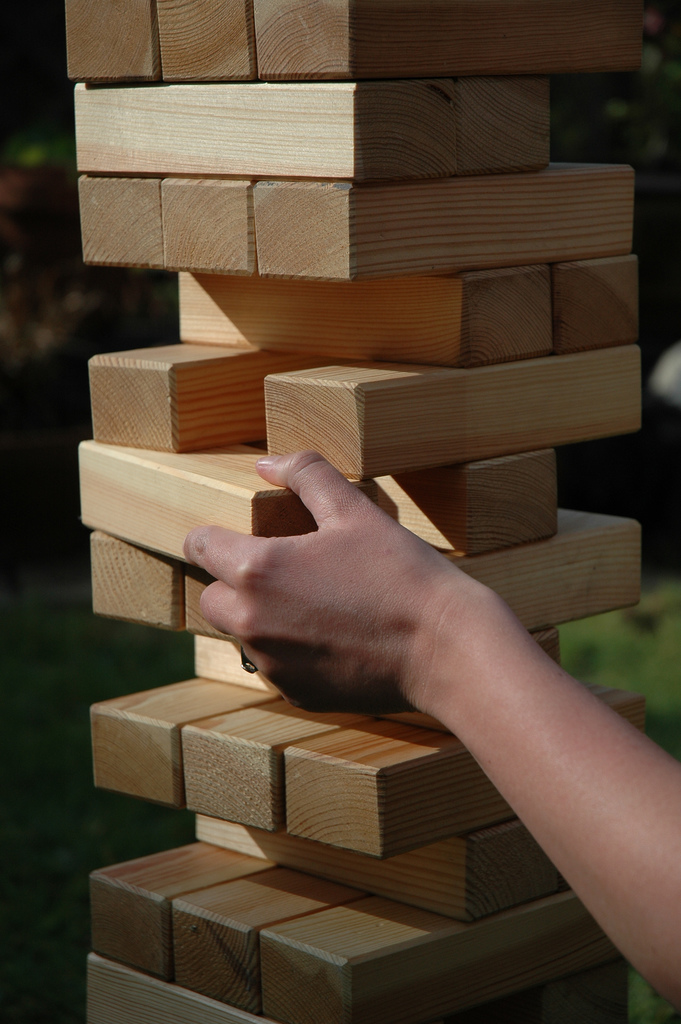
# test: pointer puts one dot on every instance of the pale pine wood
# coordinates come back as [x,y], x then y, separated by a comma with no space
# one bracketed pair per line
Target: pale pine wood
[388,787]
[358,130]
[134,585]
[183,397]
[476,506]
[339,231]
[392,38]
[120,221]
[215,659]
[154,498]
[136,745]
[208,224]
[378,962]
[597,996]
[595,303]
[216,931]
[112,40]
[446,877]
[131,902]
[206,40]
[488,316]
[382,419]
[234,763]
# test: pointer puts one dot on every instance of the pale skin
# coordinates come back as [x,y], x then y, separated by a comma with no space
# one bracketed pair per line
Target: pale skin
[363,616]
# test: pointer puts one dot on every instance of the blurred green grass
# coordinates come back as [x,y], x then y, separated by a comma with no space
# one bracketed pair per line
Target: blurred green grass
[55,660]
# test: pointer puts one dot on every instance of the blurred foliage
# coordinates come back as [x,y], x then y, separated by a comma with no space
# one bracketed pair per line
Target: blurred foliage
[42,142]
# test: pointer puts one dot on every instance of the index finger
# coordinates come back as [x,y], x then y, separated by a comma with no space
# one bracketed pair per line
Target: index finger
[218,551]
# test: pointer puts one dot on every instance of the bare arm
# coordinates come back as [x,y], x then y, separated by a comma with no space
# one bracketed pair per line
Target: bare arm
[363,616]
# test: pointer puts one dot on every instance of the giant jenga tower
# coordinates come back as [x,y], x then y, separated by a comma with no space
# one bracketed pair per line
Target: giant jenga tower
[358,199]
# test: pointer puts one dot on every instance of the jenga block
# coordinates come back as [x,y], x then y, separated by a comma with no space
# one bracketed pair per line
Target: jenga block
[380,419]
[206,40]
[135,585]
[131,902]
[120,221]
[595,303]
[136,746]
[477,506]
[389,787]
[464,877]
[549,640]
[208,224]
[392,38]
[216,930]
[183,397]
[108,40]
[215,659]
[196,581]
[357,130]
[234,763]
[339,231]
[385,963]
[487,316]
[154,498]
[597,996]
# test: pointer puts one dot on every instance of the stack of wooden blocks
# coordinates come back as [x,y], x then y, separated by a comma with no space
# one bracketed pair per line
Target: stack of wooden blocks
[362,183]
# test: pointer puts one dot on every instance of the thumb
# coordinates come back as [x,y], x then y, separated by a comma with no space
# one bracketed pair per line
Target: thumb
[321,488]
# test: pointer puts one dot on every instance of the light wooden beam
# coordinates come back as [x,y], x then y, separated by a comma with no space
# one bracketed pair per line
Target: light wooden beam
[595,303]
[388,787]
[109,40]
[382,419]
[131,902]
[134,585]
[208,224]
[215,659]
[339,232]
[120,221]
[464,877]
[470,319]
[206,40]
[390,38]
[357,130]
[136,745]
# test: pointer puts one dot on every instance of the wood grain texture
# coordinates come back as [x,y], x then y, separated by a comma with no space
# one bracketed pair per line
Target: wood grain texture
[216,931]
[595,303]
[208,224]
[234,763]
[134,585]
[358,130]
[384,419]
[445,877]
[384,788]
[392,38]
[206,40]
[120,221]
[597,996]
[183,398]
[465,320]
[131,902]
[476,506]
[109,40]
[378,962]
[136,745]
[339,231]
[220,660]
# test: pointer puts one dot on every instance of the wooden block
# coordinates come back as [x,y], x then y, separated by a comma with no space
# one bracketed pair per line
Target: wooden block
[120,221]
[595,303]
[208,224]
[108,40]
[597,996]
[134,585]
[392,38]
[549,640]
[357,130]
[487,316]
[131,902]
[464,877]
[154,498]
[216,931]
[477,506]
[183,397]
[215,659]
[385,963]
[234,763]
[384,788]
[382,419]
[339,231]
[136,745]
[206,40]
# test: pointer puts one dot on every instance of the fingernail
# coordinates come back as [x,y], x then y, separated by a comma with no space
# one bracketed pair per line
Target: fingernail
[268,461]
